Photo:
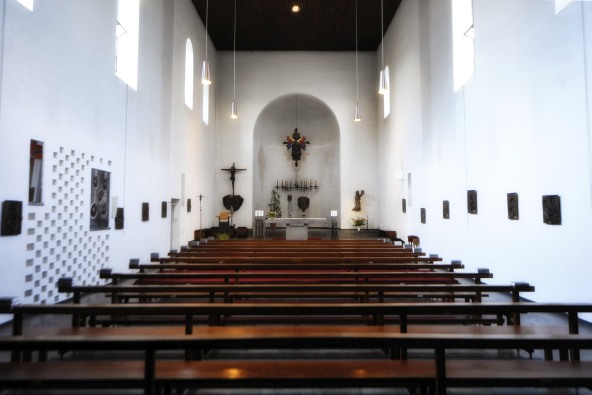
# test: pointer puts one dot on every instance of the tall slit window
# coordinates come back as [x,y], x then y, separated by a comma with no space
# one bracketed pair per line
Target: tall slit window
[126,41]
[561,4]
[36,172]
[189,74]
[28,4]
[386,97]
[206,104]
[463,44]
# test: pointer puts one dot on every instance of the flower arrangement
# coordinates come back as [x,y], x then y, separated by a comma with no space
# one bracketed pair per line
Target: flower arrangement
[275,210]
[359,221]
[222,236]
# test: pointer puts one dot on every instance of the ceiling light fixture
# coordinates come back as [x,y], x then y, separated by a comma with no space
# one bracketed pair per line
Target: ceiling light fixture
[357,117]
[295,8]
[205,68]
[383,86]
[234,109]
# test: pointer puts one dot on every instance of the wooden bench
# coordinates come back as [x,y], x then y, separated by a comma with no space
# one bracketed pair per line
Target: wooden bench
[404,311]
[296,259]
[375,290]
[281,252]
[135,264]
[297,276]
[152,373]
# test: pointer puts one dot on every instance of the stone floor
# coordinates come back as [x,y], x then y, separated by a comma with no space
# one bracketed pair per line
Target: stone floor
[530,319]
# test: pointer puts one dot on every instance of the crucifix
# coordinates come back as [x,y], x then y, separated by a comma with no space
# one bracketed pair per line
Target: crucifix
[232,170]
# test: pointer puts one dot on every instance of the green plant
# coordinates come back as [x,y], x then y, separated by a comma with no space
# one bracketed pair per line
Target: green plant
[359,221]
[275,210]
[222,236]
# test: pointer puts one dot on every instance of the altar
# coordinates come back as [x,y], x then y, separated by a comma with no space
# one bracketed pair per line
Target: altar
[297,228]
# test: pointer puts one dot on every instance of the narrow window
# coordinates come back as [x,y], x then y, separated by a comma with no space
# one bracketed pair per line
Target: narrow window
[560,5]
[28,4]
[126,42]
[189,74]
[206,104]
[463,45]
[386,97]
[36,172]
[409,189]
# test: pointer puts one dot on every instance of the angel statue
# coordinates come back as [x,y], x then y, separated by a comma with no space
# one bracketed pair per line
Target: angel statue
[297,143]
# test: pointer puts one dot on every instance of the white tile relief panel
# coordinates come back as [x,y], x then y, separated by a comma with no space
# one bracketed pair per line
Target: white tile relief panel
[59,242]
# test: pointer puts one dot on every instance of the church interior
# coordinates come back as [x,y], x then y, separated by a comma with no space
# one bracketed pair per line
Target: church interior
[136,129]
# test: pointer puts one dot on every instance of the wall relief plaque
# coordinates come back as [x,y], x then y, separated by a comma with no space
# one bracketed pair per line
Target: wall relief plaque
[472,202]
[145,212]
[163,209]
[552,209]
[12,218]
[119,218]
[99,199]
[513,206]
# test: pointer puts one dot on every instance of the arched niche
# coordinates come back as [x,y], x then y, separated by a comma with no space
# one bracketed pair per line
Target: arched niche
[320,161]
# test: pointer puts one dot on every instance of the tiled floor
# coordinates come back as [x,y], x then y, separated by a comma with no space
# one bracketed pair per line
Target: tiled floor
[530,319]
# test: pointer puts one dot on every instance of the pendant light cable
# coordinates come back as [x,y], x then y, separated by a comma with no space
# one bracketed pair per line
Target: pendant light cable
[357,117]
[234,109]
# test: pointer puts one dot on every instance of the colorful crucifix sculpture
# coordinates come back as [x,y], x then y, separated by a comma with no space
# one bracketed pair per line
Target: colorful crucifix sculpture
[297,144]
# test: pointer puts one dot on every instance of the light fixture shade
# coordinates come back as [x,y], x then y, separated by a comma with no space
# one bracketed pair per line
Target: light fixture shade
[234,111]
[357,117]
[205,73]
[383,86]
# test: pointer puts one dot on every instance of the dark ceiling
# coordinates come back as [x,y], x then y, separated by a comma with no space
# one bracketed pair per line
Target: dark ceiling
[321,25]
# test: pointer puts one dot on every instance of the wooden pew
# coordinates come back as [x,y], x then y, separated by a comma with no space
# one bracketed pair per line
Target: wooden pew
[439,374]
[299,276]
[375,290]
[283,251]
[404,311]
[295,259]
[135,264]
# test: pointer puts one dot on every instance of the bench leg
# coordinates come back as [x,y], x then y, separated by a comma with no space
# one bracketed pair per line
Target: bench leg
[440,355]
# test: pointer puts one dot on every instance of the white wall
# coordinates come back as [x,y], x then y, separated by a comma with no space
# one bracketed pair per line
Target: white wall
[261,78]
[520,125]
[59,87]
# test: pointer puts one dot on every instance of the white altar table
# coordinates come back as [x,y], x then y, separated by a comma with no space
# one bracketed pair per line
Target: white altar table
[297,228]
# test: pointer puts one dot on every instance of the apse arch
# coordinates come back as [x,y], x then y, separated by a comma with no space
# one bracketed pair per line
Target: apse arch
[320,161]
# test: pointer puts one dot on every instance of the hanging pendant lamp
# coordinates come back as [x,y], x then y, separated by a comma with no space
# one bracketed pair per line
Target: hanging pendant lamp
[357,117]
[205,67]
[383,84]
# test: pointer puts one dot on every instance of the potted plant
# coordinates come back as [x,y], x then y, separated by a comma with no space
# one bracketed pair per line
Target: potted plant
[275,210]
[359,221]
[222,236]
